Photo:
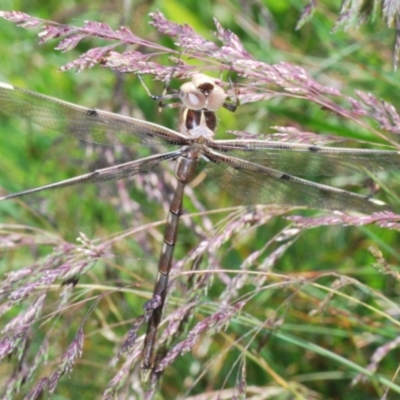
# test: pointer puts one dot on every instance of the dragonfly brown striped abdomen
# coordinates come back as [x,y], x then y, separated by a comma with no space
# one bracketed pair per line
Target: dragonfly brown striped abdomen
[255,171]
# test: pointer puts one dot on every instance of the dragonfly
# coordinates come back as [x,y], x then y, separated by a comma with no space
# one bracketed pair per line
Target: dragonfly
[255,171]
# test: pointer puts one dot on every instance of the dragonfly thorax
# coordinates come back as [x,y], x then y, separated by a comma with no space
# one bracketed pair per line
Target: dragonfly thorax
[198,123]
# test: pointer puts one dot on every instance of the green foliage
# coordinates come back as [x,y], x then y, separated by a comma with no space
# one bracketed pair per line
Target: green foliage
[324,308]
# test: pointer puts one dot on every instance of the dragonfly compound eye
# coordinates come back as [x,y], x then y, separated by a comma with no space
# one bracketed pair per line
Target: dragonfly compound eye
[192,97]
[216,98]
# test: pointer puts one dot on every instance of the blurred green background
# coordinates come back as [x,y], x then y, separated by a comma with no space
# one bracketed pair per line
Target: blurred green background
[307,356]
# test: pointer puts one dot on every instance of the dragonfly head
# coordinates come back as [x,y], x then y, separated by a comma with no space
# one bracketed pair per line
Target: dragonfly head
[202,93]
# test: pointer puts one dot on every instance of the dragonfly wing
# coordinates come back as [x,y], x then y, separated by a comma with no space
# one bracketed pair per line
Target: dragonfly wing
[104,174]
[256,184]
[91,125]
[307,160]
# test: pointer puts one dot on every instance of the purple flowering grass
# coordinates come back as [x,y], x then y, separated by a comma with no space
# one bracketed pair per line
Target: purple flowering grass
[46,289]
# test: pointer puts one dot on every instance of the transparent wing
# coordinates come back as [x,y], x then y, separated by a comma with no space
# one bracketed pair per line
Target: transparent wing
[104,174]
[307,160]
[256,184]
[87,124]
